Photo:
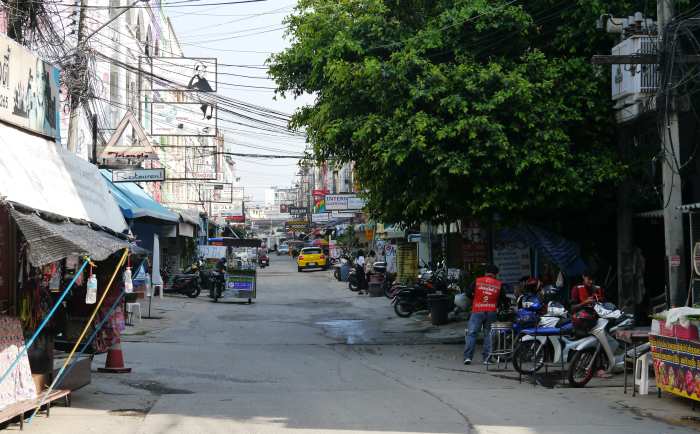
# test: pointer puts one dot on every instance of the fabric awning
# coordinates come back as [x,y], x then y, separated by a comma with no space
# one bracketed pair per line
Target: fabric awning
[136,203]
[38,174]
[51,241]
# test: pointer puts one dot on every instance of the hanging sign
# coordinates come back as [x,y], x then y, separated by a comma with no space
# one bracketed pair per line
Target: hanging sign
[138,175]
[28,90]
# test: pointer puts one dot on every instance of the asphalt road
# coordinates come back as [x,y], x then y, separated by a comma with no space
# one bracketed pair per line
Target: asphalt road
[309,356]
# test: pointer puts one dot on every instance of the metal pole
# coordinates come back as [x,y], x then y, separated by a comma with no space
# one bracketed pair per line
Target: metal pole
[672,200]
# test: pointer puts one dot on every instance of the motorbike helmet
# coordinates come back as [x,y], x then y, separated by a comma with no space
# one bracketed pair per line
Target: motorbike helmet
[461,301]
[584,320]
[530,302]
[550,293]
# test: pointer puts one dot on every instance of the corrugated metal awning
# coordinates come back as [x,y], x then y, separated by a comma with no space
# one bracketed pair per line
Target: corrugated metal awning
[52,241]
[655,214]
[690,207]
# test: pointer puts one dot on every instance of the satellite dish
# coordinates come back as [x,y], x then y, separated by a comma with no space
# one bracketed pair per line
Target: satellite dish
[696,258]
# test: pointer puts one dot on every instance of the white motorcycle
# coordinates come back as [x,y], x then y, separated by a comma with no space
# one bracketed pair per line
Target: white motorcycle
[599,350]
[550,342]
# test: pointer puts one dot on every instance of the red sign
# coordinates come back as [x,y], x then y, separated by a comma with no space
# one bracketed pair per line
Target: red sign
[235,218]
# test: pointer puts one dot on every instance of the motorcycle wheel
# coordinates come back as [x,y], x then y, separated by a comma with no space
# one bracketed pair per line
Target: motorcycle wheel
[336,274]
[195,292]
[403,309]
[528,357]
[353,286]
[579,374]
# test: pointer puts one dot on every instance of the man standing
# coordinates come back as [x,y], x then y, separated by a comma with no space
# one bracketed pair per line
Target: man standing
[487,294]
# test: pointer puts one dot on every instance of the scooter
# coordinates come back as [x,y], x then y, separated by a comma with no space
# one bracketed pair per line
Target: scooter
[413,299]
[599,350]
[186,283]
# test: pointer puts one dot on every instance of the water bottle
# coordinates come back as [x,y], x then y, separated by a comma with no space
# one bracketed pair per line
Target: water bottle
[128,282]
[91,293]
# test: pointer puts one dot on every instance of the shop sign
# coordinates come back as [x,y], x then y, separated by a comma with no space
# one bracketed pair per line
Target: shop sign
[475,249]
[512,260]
[284,208]
[320,217]
[675,261]
[138,175]
[344,202]
[28,90]
[296,210]
[296,225]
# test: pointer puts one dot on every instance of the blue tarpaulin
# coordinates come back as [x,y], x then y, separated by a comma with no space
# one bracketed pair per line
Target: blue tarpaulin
[564,253]
[136,203]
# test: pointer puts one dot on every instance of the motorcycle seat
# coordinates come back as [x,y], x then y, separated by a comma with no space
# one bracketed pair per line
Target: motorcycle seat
[549,331]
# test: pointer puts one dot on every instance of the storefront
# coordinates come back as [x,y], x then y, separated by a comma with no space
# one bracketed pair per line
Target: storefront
[55,210]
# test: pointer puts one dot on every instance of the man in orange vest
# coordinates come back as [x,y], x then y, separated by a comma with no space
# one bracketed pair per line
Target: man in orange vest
[487,293]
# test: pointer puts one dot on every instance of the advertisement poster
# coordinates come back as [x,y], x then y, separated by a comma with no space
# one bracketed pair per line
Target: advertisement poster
[183,119]
[513,261]
[183,73]
[676,365]
[319,201]
[475,247]
[28,90]
[4,257]
[239,286]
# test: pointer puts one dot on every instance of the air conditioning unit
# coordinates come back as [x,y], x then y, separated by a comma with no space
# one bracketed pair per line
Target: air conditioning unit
[633,86]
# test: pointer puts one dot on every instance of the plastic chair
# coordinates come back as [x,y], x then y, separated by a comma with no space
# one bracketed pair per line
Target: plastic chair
[641,373]
[131,310]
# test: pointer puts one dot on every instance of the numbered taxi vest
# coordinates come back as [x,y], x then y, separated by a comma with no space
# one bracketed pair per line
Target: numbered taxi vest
[486,293]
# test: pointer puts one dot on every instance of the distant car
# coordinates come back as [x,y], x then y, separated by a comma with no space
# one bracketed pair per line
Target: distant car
[311,257]
[283,249]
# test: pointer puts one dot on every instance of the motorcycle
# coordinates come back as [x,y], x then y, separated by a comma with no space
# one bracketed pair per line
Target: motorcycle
[413,299]
[264,261]
[599,350]
[551,341]
[186,283]
[213,281]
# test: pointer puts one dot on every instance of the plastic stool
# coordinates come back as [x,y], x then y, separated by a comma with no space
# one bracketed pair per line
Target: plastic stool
[641,373]
[131,309]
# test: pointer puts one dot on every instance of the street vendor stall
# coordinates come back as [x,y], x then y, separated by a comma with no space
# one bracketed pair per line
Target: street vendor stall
[241,268]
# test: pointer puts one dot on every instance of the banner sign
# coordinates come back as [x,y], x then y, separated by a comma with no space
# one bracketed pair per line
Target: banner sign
[676,365]
[28,90]
[296,210]
[183,74]
[183,119]
[344,202]
[138,175]
[512,260]
[296,225]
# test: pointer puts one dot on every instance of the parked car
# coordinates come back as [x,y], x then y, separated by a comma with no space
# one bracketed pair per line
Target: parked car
[283,249]
[311,257]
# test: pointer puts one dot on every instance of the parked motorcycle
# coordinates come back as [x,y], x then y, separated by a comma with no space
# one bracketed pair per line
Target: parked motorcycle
[415,298]
[551,341]
[186,283]
[599,350]
[213,281]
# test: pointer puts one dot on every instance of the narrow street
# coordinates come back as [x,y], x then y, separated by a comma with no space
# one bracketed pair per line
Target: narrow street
[309,357]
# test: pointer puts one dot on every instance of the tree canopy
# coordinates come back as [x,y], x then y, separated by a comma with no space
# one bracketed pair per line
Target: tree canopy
[454,108]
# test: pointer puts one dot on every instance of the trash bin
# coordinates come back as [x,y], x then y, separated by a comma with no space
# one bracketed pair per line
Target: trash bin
[439,308]
[344,271]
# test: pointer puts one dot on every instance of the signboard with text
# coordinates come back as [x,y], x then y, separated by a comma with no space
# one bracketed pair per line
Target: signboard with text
[296,210]
[512,260]
[138,175]
[344,202]
[29,95]
[183,119]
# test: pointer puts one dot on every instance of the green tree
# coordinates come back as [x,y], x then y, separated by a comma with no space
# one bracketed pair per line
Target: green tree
[456,108]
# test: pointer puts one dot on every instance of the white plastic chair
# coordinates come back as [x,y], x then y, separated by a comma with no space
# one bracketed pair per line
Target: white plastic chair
[641,373]
[131,310]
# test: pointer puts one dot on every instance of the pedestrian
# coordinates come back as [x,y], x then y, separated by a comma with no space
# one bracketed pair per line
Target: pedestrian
[360,271]
[487,294]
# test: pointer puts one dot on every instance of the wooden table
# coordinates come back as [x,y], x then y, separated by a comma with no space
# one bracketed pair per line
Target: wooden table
[633,337]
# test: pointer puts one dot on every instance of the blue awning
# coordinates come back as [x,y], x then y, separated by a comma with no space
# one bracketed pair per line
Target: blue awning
[562,252]
[136,203]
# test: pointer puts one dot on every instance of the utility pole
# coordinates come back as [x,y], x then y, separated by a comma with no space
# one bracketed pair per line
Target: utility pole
[77,81]
[672,200]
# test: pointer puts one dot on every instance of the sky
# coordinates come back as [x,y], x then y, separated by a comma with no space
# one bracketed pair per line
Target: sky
[245,34]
